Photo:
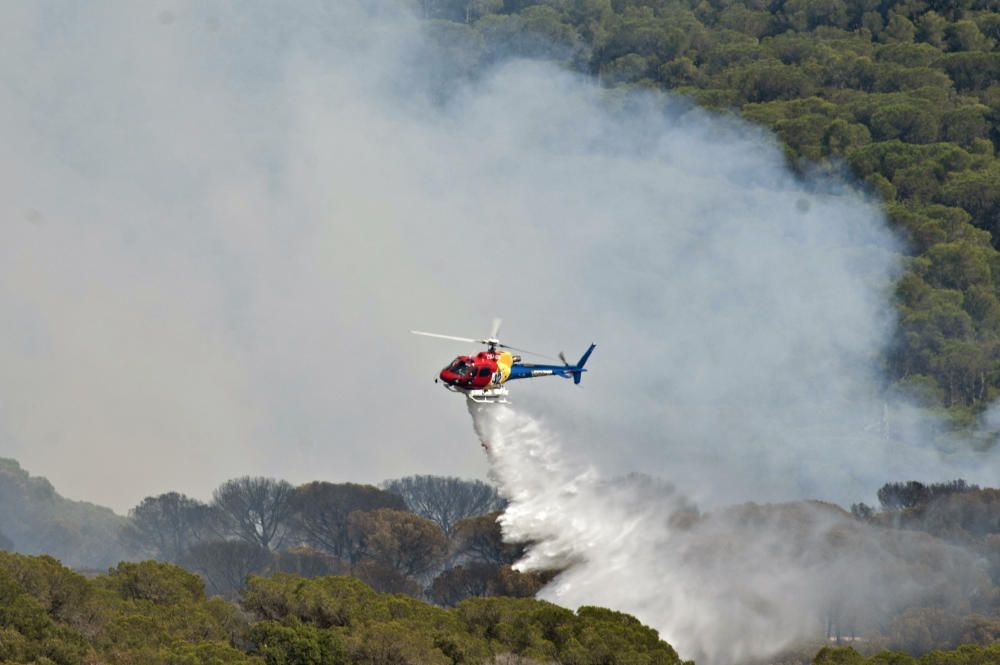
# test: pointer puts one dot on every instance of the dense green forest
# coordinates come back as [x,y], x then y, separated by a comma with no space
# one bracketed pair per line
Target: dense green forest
[902,96]
[156,613]
[967,655]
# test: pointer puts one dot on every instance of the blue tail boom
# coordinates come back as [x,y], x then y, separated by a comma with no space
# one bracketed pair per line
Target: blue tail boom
[530,370]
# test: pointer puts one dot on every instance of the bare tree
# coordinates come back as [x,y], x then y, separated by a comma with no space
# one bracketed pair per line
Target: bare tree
[226,564]
[306,562]
[256,510]
[165,526]
[446,500]
[320,511]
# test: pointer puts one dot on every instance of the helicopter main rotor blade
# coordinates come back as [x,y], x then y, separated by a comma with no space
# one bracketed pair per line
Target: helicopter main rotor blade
[483,341]
[496,327]
[534,353]
[451,337]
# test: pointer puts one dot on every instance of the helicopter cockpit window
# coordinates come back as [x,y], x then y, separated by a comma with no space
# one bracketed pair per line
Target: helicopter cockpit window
[484,371]
[460,368]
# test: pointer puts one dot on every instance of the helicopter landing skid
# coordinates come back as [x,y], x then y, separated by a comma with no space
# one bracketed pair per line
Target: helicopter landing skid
[483,396]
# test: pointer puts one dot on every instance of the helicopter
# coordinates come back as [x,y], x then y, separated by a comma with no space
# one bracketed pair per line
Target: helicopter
[482,377]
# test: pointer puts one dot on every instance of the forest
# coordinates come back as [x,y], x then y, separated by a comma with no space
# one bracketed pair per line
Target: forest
[272,593]
[265,549]
[156,613]
[426,536]
[899,97]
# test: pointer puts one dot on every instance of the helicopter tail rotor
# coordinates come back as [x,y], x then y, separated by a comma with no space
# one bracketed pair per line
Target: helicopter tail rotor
[497,322]
[578,370]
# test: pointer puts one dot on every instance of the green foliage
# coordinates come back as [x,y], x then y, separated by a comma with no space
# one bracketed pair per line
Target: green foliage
[297,616]
[160,612]
[892,658]
[838,656]
[545,632]
[906,93]
[149,613]
[613,637]
[978,192]
[157,613]
[324,602]
[964,655]
[158,583]
[295,643]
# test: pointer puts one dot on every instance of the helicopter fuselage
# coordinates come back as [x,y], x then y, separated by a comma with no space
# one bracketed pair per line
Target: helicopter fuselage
[486,369]
[489,369]
[481,377]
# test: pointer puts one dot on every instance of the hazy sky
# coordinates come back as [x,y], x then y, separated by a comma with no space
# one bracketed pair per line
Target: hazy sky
[220,222]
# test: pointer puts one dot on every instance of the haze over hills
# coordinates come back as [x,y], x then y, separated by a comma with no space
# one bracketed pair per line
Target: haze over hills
[226,219]
[36,519]
[919,572]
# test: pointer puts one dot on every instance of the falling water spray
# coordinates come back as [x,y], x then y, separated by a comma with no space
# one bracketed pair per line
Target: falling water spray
[740,583]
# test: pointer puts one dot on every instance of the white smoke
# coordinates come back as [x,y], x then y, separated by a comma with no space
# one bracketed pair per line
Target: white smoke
[221,223]
[724,588]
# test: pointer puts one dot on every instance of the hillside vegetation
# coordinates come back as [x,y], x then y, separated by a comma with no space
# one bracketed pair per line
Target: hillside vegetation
[156,613]
[967,655]
[427,536]
[438,540]
[35,519]
[902,94]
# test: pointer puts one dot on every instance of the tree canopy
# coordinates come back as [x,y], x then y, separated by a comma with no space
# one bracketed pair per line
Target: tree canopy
[905,95]
[158,613]
[445,500]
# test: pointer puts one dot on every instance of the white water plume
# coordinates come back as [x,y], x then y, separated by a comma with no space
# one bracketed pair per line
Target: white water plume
[742,583]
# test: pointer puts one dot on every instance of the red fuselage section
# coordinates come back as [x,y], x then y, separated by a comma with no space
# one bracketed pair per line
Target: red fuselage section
[474,372]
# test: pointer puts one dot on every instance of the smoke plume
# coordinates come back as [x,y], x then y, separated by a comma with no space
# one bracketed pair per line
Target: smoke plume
[726,587]
[221,222]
